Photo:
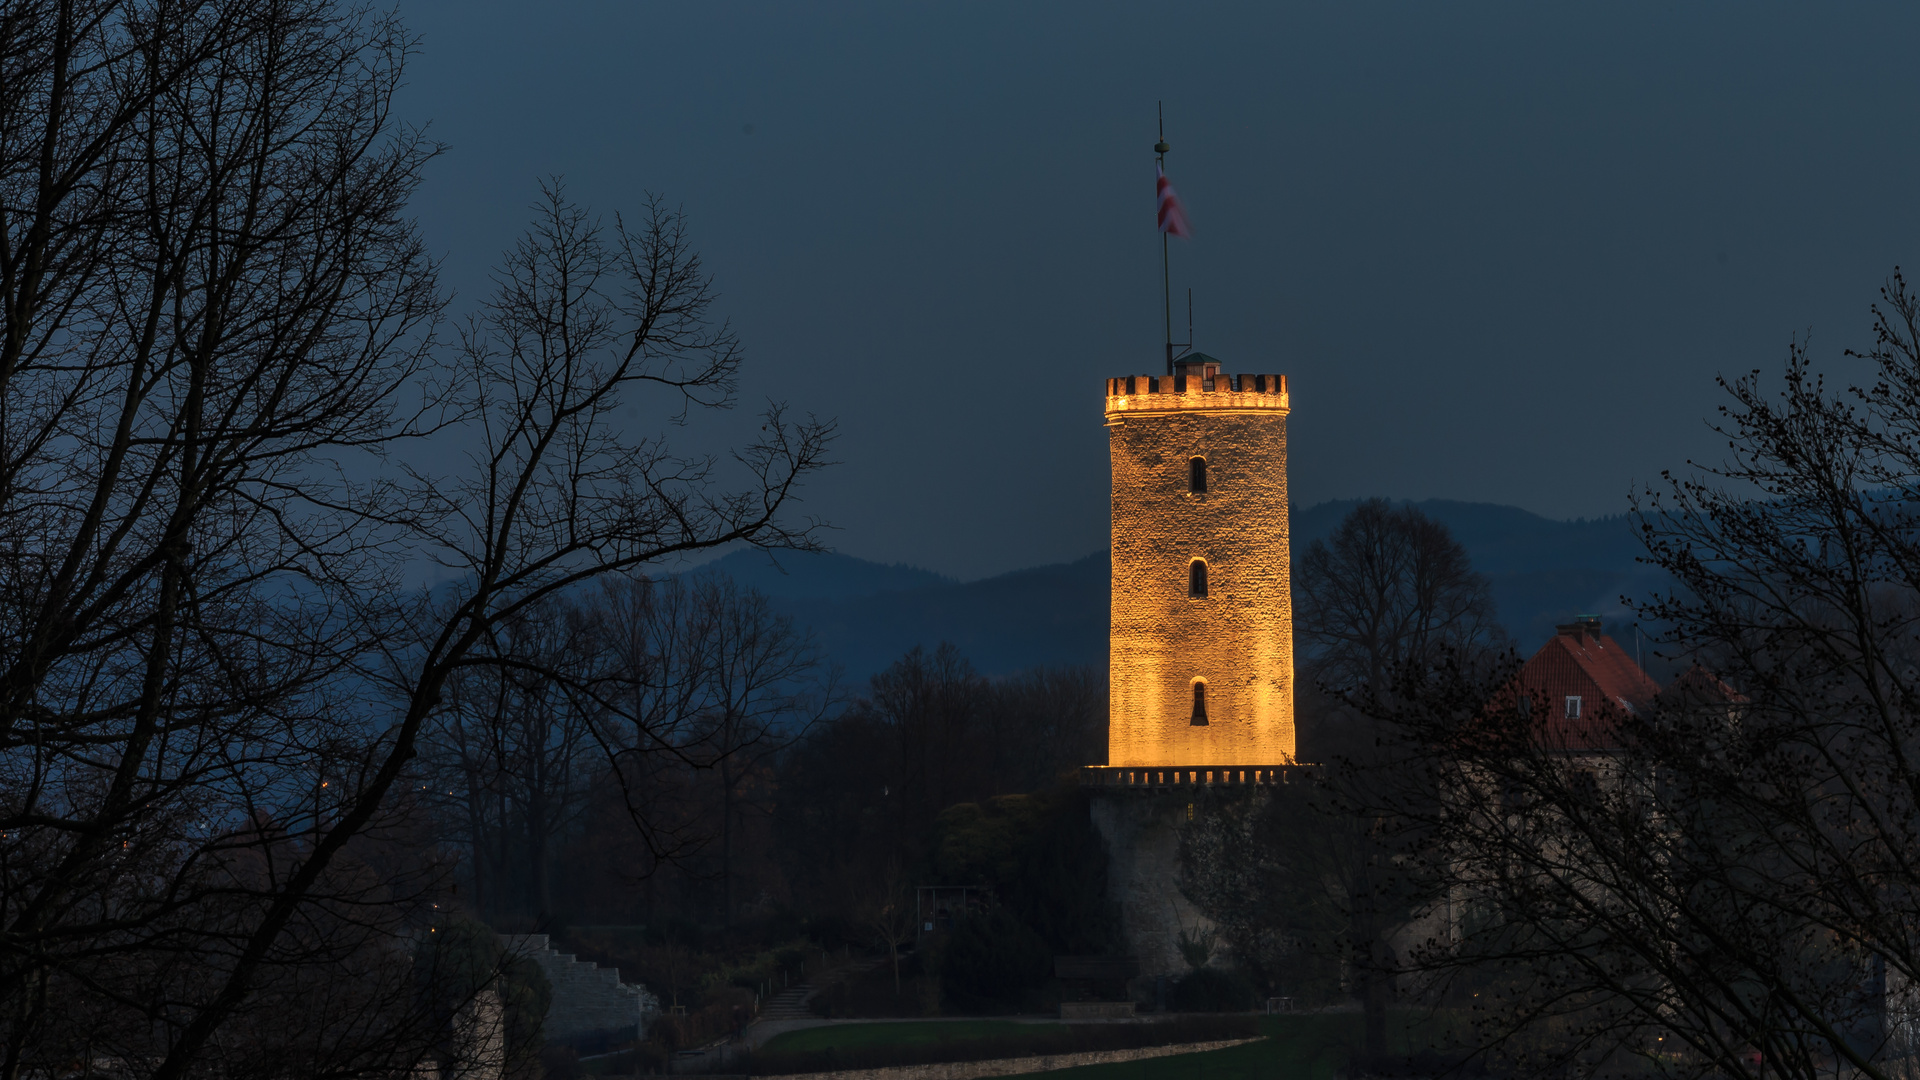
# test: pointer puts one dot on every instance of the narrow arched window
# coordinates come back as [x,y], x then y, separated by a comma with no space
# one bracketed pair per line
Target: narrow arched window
[1197,578]
[1199,703]
[1197,475]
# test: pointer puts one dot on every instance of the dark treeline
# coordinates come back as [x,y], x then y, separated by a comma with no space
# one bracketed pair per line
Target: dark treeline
[765,790]
[866,792]
[669,778]
[637,729]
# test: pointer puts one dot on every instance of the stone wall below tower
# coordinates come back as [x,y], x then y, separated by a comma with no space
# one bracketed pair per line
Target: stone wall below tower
[1142,833]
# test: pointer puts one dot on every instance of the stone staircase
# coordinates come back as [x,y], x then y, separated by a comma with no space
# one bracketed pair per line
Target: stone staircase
[788,1004]
[587,998]
[791,1003]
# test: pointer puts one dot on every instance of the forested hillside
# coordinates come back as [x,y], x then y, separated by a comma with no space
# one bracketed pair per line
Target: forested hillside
[867,614]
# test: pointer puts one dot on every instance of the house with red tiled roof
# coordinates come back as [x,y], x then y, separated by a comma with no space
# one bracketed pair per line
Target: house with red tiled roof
[1557,734]
[1579,685]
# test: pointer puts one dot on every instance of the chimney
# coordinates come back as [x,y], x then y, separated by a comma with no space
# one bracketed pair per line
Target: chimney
[1583,627]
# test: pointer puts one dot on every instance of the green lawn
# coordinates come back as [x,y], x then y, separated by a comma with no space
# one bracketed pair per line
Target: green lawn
[907,1032]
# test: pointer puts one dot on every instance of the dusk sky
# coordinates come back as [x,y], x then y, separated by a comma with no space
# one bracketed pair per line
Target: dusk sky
[1500,250]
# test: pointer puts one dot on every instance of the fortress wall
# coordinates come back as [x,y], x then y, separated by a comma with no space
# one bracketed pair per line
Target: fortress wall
[1143,877]
[587,998]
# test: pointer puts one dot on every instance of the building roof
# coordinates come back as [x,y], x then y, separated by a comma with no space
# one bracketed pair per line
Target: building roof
[1581,684]
[1697,686]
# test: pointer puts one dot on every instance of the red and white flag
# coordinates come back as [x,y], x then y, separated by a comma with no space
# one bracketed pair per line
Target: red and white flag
[1173,216]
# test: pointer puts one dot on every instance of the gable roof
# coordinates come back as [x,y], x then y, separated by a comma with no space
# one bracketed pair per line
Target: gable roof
[1697,687]
[1581,662]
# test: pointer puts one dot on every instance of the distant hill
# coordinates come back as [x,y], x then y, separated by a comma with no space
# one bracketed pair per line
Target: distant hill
[1047,615]
[1543,571]
[821,575]
[866,614]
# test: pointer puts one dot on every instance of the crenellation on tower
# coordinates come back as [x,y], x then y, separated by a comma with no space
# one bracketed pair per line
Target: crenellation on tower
[1136,393]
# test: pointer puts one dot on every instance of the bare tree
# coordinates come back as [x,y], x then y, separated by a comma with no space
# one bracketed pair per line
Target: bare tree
[887,910]
[218,327]
[931,705]
[512,751]
[1382,601]
[1389,590]
[211,297]
[1728,881]
[658,643]
[767,685]
[1045,721]
[704,686]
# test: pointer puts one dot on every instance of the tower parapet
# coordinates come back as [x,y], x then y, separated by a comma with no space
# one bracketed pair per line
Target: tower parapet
[1201,632]
[1157,393]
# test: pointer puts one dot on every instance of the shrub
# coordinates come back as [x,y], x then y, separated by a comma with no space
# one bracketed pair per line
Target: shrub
[1061,887]
[991,962]
[1041,856]
[872,993]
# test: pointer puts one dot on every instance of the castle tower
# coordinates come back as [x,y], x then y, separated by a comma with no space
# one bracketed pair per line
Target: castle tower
[1201,640]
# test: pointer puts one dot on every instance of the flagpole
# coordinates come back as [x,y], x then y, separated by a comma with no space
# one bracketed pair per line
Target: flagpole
[1166,300]
[1160,149]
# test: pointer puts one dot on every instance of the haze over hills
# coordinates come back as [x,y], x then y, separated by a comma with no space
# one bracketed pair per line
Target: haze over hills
[867,614]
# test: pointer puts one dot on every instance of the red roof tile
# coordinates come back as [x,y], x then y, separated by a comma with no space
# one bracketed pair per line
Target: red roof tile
[1580,684]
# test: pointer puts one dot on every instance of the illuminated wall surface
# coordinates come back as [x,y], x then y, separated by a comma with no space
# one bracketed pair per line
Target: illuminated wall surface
[1238,638]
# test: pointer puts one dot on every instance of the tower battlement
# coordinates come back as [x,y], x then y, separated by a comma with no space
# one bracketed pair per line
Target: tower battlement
[1152,393]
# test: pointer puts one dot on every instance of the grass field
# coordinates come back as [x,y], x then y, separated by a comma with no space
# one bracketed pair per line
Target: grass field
[905,1033]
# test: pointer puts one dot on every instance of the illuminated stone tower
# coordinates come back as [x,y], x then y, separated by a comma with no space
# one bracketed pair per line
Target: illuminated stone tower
[1201,641]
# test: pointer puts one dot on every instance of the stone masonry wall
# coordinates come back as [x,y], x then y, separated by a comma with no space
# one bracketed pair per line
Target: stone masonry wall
[1143,877]
[587,999]
[1238,638]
